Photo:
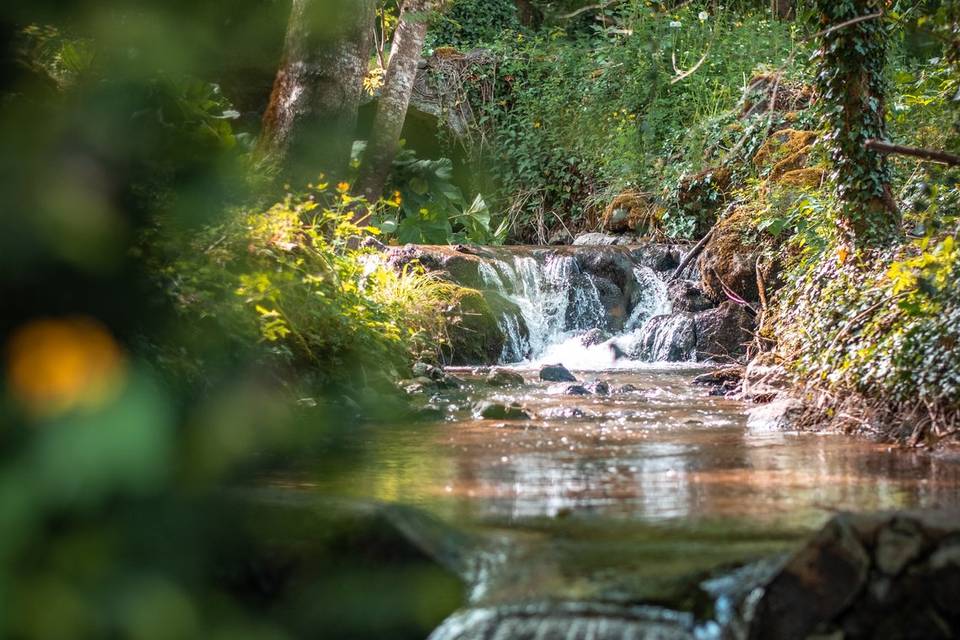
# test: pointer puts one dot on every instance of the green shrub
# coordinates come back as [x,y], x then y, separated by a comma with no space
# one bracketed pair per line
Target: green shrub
[574,120]
[468,23]
[288,282]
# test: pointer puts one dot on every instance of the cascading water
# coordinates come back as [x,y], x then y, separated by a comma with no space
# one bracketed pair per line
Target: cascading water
[560,312]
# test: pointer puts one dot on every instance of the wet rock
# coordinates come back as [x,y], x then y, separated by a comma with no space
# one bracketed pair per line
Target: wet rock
[874,576]
[671,338]
[568,390]
[475,333]
[685,295]
[614,266]
[504,378]
[614,303]
[564,413]
[781,414]
[556,373]
[600,387]
[429,375]
[567,621]
[594,337]
[898,545]
[500,411]
[722,381]
[657,256]
[602,240]
[815,585]
[723,333]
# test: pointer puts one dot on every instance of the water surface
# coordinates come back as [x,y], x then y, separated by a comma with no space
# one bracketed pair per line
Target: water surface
[622,496]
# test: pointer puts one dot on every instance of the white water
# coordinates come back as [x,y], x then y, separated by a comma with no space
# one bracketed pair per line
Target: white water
[559,305]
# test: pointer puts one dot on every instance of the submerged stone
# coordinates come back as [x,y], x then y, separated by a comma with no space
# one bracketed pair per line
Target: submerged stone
[500,411]
[504,378]
[556,373]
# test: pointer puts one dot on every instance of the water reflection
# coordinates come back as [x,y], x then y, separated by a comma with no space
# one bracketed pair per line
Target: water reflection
[666,453]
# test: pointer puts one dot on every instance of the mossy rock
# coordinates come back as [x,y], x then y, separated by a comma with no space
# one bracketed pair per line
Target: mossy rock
[730,258]
[632,211]
[473,332]
[809,178]
[785,151]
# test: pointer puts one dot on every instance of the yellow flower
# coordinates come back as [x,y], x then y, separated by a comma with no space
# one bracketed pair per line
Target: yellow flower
[397,198]
[58,365]
[343,187]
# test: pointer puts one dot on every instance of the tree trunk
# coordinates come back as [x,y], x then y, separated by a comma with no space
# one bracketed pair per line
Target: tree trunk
[309,125]
[853,50]
[394,100]
[783,9]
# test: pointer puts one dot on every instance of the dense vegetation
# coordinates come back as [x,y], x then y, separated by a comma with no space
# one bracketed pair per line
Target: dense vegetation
[168,292]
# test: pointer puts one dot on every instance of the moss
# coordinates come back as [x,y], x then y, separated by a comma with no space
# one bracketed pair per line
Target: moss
[633,211]
[731,257]
[785,150]
[473,333]
[810,178]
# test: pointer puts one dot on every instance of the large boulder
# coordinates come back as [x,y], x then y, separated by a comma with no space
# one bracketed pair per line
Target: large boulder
[723,333]
[476,336]
[731,257]
[686,295]
[668,338]
[878,576]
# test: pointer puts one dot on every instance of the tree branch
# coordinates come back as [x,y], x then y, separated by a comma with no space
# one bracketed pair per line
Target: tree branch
[940,157]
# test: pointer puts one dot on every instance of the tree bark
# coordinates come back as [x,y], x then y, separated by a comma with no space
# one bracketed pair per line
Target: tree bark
[783,9]
[309,124]
[394,101]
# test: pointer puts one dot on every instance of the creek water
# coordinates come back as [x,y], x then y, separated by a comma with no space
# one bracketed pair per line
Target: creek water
[619,498]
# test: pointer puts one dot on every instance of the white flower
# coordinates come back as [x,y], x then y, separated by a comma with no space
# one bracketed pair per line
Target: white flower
[703,15]
[934,61]
[675,24]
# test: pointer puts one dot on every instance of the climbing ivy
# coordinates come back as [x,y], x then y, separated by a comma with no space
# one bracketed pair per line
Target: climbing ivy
[851,80]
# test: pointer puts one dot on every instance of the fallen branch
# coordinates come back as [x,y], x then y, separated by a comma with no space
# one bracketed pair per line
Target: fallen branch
[698,248]
[940,157]
[589,7]
[690,257]
[680,76]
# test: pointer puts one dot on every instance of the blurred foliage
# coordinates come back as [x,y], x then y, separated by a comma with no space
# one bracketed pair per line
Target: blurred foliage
[140,381]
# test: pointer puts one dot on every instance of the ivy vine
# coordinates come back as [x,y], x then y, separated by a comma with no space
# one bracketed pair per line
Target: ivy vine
[852,55]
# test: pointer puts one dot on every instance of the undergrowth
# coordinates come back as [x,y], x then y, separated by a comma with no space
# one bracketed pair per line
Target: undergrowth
[289,282]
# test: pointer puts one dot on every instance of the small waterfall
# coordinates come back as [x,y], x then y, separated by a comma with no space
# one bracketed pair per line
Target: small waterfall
[651,299]
[667,338]
[554,302]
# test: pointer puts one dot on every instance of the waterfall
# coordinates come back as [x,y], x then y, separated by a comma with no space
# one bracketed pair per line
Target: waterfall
[561,311]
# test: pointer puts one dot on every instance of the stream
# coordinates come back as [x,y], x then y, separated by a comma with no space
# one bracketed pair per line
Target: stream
[607,515]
